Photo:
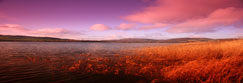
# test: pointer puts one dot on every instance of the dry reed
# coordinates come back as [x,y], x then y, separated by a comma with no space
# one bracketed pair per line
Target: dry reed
[209,62]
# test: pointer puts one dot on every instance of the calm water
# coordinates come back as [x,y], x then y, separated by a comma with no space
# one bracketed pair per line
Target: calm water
[43,61]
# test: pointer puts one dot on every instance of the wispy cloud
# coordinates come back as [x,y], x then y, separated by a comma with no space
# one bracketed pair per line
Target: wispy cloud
[153,26]
[217,19]
[15,29]
[125,26]
[12,27]
[99,27]
[192,16]
[134,26]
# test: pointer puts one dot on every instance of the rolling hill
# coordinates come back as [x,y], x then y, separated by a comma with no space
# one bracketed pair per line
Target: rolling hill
[32,39]
[12,38]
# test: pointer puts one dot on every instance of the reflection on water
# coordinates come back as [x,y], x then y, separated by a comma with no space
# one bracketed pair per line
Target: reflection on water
[53,62]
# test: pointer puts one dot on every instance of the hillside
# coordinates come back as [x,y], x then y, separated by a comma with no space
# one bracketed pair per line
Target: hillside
[134,40]
[184,40]
[175,40]
[127,40]
[32,39]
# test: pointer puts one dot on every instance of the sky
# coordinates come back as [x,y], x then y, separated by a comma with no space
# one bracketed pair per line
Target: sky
[118,19]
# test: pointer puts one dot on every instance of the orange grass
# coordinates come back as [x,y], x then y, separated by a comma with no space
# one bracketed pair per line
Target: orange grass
[210,62]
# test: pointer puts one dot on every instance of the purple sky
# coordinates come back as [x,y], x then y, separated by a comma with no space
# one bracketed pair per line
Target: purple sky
[116,19]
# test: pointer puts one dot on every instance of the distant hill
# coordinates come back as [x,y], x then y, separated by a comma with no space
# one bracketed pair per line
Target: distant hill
[127,40]
[184,40]
[32,39]
[134,40]
[175,40]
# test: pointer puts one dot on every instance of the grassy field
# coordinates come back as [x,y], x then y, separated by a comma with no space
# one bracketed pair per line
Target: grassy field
[210,62]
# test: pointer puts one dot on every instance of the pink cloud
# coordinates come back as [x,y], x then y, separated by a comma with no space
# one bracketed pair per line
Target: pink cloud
[50,31]
[133,26]
[157,25]
[99,27]
[219,18]
[14,29]
[191,16]
[11,27]
[55,32]
[173,11]
[124,26]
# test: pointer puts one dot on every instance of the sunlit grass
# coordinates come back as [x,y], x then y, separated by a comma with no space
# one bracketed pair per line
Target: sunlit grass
[217,61]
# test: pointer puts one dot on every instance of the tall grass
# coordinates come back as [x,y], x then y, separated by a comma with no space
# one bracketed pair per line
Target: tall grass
[210,62]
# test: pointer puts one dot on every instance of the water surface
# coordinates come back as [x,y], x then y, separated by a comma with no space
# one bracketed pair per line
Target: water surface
[43,61]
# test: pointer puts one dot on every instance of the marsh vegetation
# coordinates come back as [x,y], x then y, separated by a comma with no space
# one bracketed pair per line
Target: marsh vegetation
[210,62]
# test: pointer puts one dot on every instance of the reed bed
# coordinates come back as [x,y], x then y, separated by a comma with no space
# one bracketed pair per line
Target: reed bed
[207,62]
